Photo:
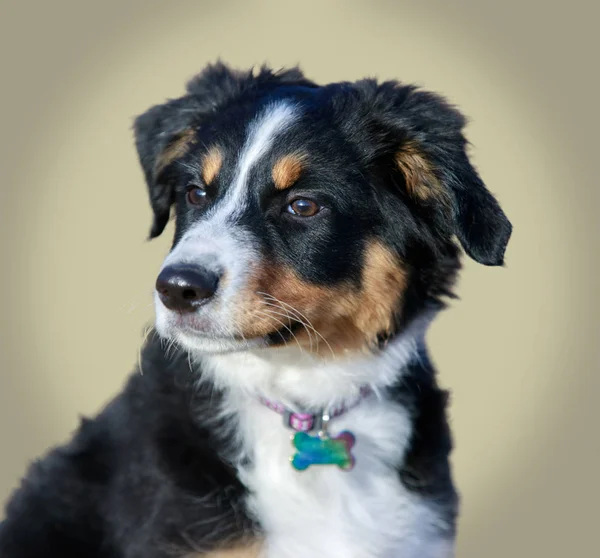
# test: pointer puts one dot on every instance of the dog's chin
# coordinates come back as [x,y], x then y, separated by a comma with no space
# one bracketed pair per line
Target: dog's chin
[196,342]
[203,344]
[194,335]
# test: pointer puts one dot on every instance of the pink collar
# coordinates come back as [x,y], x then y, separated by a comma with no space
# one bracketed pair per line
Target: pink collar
[305,422]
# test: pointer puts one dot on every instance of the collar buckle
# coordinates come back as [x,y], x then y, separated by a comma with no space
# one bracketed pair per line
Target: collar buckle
[301,422]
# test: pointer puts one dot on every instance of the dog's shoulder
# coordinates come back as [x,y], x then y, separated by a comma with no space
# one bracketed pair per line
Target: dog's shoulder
[55,510]
[131,479]
[426,469]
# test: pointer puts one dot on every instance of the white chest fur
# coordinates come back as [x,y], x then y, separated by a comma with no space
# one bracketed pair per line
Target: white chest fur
[324,511]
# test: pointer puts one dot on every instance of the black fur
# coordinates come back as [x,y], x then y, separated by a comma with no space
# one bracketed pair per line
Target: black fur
[375,120]
[352,131]
[148,477]
[215,88]
[151,475]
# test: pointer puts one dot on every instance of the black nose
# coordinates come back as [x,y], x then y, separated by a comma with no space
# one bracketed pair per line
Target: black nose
[184,288]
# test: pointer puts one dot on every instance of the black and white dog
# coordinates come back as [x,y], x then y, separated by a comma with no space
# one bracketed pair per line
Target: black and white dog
[287,407]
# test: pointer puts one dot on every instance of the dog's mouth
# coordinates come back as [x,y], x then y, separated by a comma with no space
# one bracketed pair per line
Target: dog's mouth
[199,333]
[193,340]
[282,335]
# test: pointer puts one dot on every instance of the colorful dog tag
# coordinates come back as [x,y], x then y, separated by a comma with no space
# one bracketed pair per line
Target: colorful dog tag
[323,450]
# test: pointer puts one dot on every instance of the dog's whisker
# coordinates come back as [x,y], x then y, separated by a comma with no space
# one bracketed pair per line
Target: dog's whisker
[289,317]
[189,360]
[172,345]
[304,317]
[270,313]
[269,320]
[147,332]
[293,317]
[290,310]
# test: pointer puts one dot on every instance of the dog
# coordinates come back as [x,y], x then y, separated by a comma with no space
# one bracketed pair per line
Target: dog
[285,404]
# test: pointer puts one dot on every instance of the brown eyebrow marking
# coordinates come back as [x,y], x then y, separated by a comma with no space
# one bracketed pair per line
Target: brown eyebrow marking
[178,148]
[287,170]
[421,181]
[211,164]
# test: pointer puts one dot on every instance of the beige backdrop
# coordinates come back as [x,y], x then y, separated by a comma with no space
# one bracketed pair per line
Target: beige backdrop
[518,351]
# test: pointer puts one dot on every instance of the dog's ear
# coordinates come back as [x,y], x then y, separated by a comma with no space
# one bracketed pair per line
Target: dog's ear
[421,135]
[165,132]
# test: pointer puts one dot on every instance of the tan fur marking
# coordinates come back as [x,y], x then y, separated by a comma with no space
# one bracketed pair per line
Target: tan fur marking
[178,148]
[368,313]
[421,181]
[384,282]
[211,164]
[250,550]
[257,317]
[346,319]
[287,171]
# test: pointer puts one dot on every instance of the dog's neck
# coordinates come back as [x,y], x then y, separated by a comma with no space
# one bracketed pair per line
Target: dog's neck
[295,378]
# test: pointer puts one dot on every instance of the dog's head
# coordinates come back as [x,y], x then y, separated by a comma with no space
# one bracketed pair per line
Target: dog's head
[317,215]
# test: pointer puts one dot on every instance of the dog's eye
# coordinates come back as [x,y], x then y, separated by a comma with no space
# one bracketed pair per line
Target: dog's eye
[196,195]
[303,208]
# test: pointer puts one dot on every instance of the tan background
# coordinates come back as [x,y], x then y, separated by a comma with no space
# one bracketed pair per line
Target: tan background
[519,351]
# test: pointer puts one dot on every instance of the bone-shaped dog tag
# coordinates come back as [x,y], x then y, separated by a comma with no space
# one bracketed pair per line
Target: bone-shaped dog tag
[323,450]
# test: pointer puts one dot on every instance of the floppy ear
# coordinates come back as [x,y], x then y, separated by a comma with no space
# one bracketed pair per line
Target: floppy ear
[449,181]
[424,134]
[435,164]
[163,134]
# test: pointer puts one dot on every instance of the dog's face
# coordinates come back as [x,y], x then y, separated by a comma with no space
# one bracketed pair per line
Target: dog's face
[317,216]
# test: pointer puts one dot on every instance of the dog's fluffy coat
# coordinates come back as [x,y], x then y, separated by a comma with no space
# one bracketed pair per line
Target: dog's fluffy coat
[186,460]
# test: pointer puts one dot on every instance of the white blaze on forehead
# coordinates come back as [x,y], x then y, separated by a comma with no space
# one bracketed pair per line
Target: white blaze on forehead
[213,242]
[272,121]
[262,132]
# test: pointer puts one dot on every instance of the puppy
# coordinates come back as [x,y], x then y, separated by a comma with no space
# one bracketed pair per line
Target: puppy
[287,407]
